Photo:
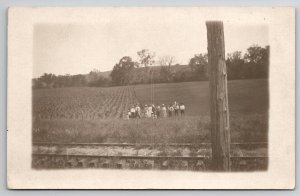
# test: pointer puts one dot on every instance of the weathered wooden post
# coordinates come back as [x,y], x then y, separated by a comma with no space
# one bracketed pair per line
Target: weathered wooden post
[220,132]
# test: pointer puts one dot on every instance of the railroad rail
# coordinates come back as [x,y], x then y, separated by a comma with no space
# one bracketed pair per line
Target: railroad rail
[57,159]
[146,144]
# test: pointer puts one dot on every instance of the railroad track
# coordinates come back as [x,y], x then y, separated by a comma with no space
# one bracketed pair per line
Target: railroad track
[188,145]
[60,155]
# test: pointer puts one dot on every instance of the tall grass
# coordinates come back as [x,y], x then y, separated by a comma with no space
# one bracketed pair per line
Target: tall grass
[190,129]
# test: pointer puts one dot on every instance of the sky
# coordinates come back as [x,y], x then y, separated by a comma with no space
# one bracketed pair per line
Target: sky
[79,48]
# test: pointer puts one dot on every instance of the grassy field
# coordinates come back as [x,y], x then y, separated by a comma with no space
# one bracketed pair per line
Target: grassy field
[95,114]
[245,96]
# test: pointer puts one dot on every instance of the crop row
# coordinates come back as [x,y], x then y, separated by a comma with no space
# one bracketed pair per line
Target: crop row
[82,103]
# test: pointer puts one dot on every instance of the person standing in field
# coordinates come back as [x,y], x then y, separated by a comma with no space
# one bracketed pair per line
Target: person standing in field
[153,111]
[182,109]
[132,110]
[128,114]
[137,111]
[150,109]
[147,111]
[164,111]
[170,110]
[176,108]
[158,111]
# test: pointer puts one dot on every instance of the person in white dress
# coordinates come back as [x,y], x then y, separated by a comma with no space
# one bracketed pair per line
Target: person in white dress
[164,111]
[137,111]
[147,111]
[150,111]
[128,114]
[182,109]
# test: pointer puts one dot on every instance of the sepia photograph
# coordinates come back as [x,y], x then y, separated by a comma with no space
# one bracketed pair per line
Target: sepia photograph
[150,96]
[150,89]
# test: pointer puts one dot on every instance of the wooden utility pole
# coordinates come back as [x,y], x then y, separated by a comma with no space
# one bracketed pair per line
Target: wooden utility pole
[220,132]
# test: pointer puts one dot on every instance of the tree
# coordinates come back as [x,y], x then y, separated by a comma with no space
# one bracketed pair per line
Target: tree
[93,75]
[121,72]
[146,57]
[38,83]
[48,79]
[78,80]
[265,62]
[165,74]
[166,60]
[165,70]
[235,64]
[199,64]
[257,61]
[254,54]
[100,81]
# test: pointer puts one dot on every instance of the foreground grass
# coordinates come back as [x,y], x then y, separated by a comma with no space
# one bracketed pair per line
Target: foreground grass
[190,129]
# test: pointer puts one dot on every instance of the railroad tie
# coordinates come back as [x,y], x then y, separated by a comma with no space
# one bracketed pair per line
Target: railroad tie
[106,163]
[120,164]
[149,164]
[185,164]
[242,164]
[200,165]
[94,163]
[165,164]
[136,164]
[72,162]
[83,162]
[44,162]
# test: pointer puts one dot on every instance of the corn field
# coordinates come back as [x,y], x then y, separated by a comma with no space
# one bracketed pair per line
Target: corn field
[82,103]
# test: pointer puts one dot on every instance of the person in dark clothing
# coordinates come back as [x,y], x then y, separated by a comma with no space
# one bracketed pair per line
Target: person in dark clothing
[158,111]
[170,110]
[132,110]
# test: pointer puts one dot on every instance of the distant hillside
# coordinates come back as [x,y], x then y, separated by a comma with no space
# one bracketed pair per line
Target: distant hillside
[105,74]
[174,68]
[155,74]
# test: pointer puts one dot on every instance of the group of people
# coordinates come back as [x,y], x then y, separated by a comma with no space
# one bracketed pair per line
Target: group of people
[156,111]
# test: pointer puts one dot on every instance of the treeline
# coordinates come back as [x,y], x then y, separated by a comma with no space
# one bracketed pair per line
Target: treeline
[253,64]
[94,78]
